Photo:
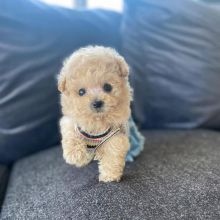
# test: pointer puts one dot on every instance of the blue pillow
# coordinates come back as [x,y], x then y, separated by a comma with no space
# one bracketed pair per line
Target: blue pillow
[34,40]
[173,48]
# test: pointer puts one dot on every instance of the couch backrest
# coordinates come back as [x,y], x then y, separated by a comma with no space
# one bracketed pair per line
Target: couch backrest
[34,40]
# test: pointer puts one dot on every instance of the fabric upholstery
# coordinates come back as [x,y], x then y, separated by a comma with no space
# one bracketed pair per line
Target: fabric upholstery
[35,38]
[4,174]
[177,176]
[173,49]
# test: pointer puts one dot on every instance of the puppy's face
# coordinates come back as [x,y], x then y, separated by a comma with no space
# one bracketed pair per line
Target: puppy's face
[95,87]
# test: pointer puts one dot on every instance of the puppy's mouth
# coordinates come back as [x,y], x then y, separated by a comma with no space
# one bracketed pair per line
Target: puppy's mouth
[99,112]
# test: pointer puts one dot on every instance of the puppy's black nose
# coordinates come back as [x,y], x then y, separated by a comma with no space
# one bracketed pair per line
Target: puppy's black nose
[97,104]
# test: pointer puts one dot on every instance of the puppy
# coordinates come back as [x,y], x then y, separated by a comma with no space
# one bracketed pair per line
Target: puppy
[95,100]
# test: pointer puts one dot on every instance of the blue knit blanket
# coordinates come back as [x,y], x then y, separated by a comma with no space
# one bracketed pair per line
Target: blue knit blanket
[136,141]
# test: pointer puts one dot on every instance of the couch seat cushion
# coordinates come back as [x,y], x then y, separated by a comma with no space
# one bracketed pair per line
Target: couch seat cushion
[176,177]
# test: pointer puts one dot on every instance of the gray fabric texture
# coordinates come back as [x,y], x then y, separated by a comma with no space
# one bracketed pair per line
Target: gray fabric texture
[177,176]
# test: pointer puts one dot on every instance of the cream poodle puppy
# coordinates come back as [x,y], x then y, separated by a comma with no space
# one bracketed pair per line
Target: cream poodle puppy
[95,100]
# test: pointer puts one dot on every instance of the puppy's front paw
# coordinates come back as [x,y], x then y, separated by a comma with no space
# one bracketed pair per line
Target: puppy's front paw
[77,157]
[109,178]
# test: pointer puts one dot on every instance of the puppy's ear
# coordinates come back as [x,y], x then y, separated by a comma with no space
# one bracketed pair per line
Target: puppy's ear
[62,78]
[123,67]
[61,82]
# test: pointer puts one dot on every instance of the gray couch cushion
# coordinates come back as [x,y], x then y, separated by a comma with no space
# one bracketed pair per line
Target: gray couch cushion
[176,177]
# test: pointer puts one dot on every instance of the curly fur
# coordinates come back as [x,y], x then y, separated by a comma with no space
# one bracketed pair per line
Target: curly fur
[90,68]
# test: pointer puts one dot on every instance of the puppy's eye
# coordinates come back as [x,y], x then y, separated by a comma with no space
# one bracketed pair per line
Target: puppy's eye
[107,87]
[82,92]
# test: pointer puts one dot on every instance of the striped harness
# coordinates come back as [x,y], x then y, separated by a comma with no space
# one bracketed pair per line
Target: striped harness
[94,141]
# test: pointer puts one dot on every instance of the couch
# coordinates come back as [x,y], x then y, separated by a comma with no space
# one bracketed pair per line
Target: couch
[177,176]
